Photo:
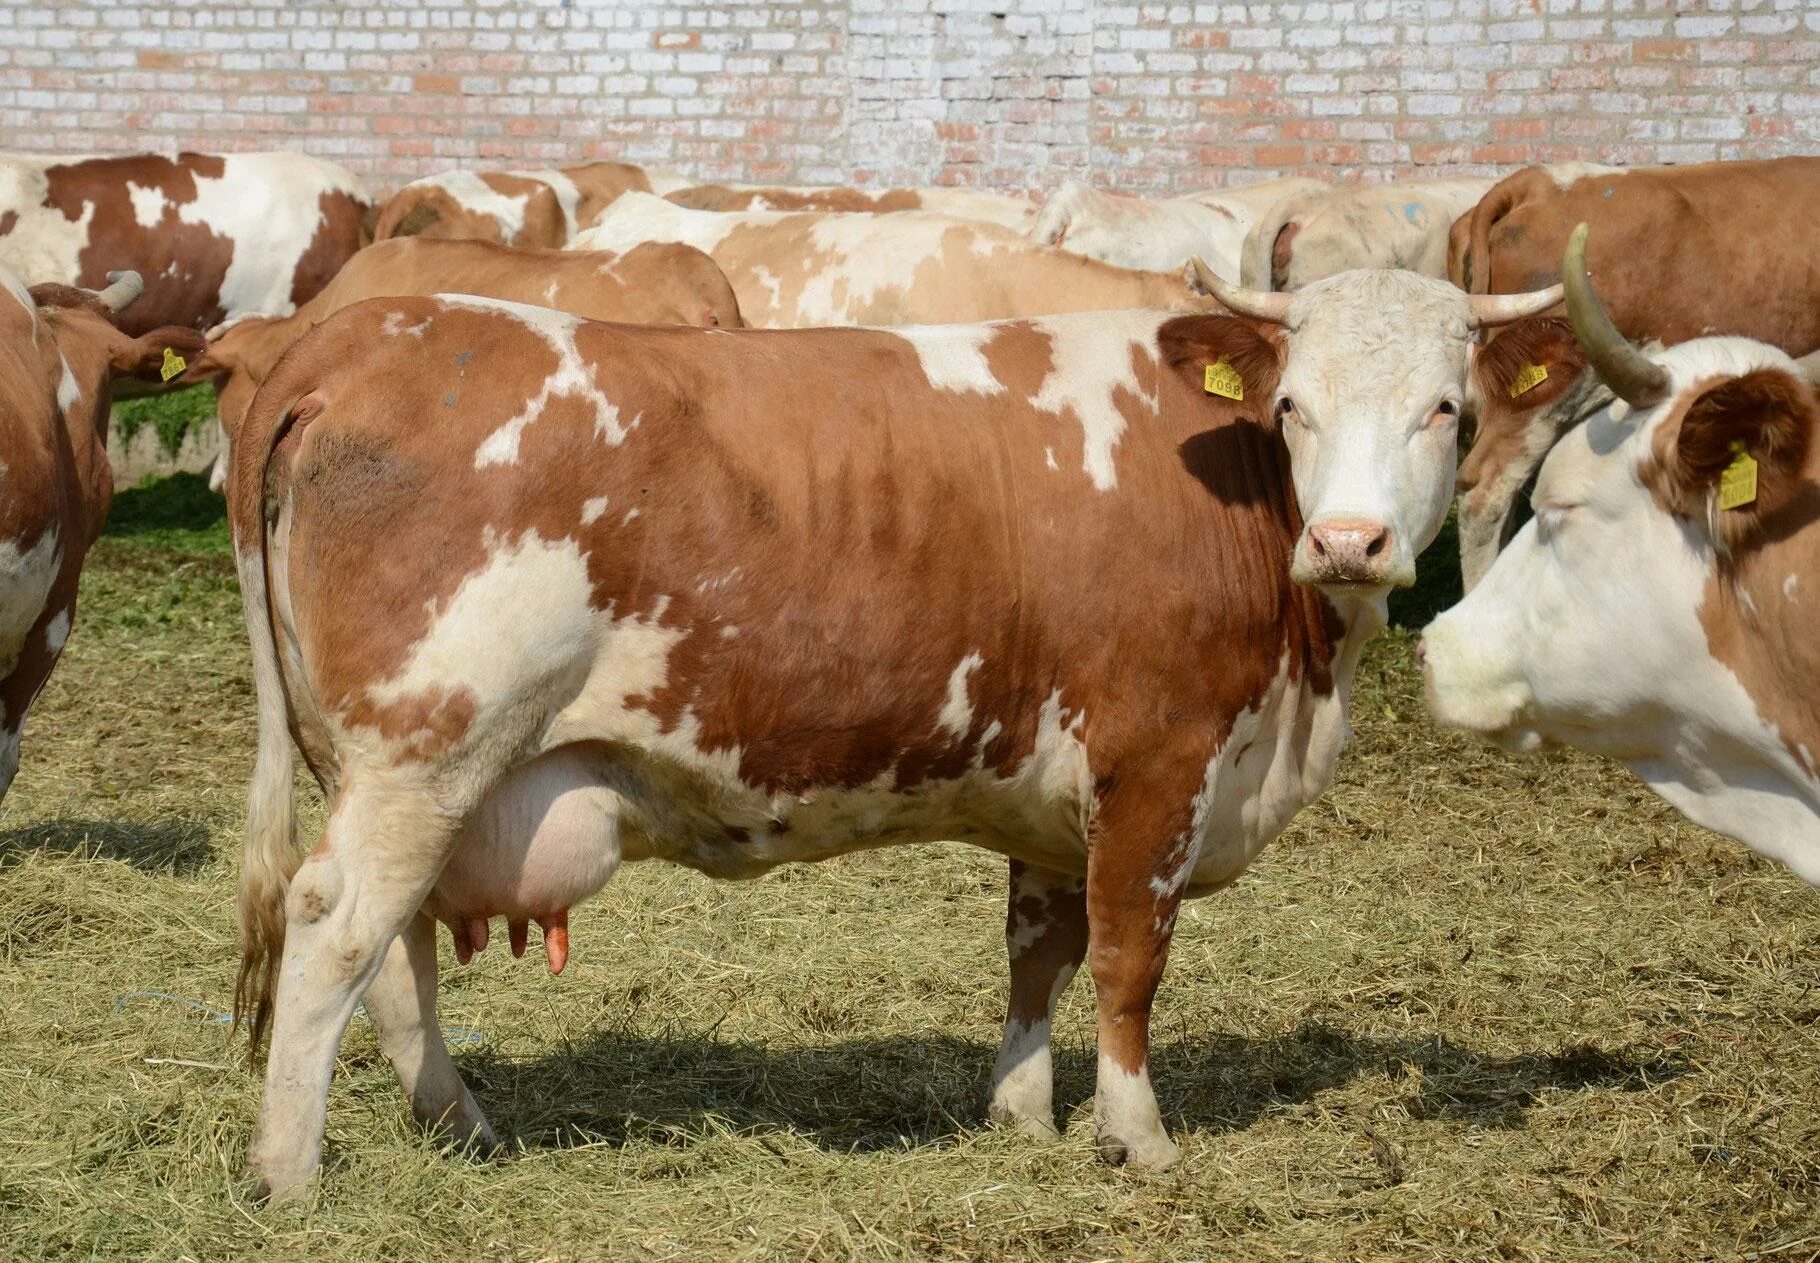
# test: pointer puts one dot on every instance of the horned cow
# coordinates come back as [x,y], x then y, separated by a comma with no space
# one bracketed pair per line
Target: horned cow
[741,599]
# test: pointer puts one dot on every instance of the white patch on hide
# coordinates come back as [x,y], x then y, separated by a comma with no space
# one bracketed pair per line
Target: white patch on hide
[572,376]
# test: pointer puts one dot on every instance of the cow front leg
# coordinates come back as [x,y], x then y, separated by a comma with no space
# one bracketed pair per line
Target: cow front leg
[1134,887]
[402,1004]
[1045,938]
[379,856]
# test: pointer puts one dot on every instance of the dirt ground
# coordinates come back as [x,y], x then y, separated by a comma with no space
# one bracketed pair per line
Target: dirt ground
[1469,1007]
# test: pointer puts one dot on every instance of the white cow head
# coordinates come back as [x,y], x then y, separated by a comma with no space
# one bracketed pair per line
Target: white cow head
[1375,366]
[1654,610]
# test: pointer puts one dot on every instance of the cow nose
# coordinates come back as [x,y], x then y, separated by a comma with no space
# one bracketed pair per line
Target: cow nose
[1422,654]
[1350,550]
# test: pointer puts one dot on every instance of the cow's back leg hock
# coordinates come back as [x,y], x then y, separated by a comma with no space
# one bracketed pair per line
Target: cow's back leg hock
[380,854]
[402,1004]
[1045,938]
[1136,871]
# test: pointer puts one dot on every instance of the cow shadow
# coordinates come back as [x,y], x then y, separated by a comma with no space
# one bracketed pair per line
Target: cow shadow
[179,847]
[873,1094]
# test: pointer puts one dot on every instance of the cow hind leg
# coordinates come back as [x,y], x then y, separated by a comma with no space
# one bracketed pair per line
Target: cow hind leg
[402,1004]
[1045,938]
[361,887]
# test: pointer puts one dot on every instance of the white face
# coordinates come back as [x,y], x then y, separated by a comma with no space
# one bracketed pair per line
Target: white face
[1370,406]
[1586,629]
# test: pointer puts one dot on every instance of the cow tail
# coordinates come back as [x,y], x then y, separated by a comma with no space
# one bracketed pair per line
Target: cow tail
[1257,255]
[269,855]
[1494,206]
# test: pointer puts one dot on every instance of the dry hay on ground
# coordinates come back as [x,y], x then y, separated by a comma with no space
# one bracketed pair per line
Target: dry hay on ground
[1468,1008]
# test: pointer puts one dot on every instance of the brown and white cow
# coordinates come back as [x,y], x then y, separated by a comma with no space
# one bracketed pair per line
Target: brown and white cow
[796,270]
[979,204]
[1658,609]
[658,283]
[1680,252]
[212,235]
[59,350]
[538,596]
[1161,235]
[1307,236]
[539,209]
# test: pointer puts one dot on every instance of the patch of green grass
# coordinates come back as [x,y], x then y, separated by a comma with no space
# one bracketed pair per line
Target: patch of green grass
[172,414]
[177,512]
[1468,1007]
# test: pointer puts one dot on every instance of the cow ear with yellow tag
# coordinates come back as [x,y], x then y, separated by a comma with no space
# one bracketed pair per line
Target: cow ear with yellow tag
[1742,444]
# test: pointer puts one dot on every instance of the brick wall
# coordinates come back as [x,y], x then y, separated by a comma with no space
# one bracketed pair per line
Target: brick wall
[1004,93]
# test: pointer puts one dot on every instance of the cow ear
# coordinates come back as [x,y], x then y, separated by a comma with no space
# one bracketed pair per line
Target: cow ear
[162,356]
[1745,438]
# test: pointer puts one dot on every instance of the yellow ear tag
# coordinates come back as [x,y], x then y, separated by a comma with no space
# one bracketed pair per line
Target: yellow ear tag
[1738,484]
[173,365]
[1224,380]
[1528,378]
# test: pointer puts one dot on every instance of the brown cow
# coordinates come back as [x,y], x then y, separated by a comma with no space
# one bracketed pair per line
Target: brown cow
[652,284]
[1679,252]
[539,209]
[59,350]
[212,235]
[537,595]
[795,270]
[979,204]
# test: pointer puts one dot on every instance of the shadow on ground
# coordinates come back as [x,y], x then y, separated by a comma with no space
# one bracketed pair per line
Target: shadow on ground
[868,1095]
[162,846]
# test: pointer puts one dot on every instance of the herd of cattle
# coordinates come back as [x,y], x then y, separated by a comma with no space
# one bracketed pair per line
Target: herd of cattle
[546,566]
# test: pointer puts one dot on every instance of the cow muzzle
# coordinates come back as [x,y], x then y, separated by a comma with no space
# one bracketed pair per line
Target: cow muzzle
[1350,552]
[1467,687]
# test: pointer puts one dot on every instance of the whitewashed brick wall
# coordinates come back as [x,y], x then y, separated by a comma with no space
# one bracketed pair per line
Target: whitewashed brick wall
[1007,93]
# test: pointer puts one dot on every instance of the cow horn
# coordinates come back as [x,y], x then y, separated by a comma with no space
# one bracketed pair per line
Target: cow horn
[122,289]
[1258,304]
[1502,309]
[1635,378]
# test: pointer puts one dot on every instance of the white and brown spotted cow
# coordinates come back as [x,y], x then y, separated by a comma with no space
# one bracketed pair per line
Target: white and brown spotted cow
[538,596]
[213,235]
[1659,607]
[978,204]
[59,350]
[1161,235]
[796,270]
[538,209]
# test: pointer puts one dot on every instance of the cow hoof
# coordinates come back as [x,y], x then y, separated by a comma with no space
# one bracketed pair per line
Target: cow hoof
[1154,1152]
[272,1190]
[1032,1126]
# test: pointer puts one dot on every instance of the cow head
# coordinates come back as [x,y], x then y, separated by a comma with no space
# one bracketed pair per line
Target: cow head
[93,351]
[1528,386]
[1590,628]
[1374,376]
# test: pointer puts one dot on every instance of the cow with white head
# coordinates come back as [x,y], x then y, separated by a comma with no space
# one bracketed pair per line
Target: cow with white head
[1656,608]
[1375,367]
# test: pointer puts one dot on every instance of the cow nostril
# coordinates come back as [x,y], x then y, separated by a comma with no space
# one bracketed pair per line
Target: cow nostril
[1378,544]
[1422,653]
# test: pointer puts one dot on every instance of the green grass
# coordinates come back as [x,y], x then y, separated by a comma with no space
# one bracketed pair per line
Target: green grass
[173,414]
[1469,1008]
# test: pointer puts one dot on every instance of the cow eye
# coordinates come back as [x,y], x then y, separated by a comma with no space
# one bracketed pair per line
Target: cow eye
[1445,411]
[1286,409]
